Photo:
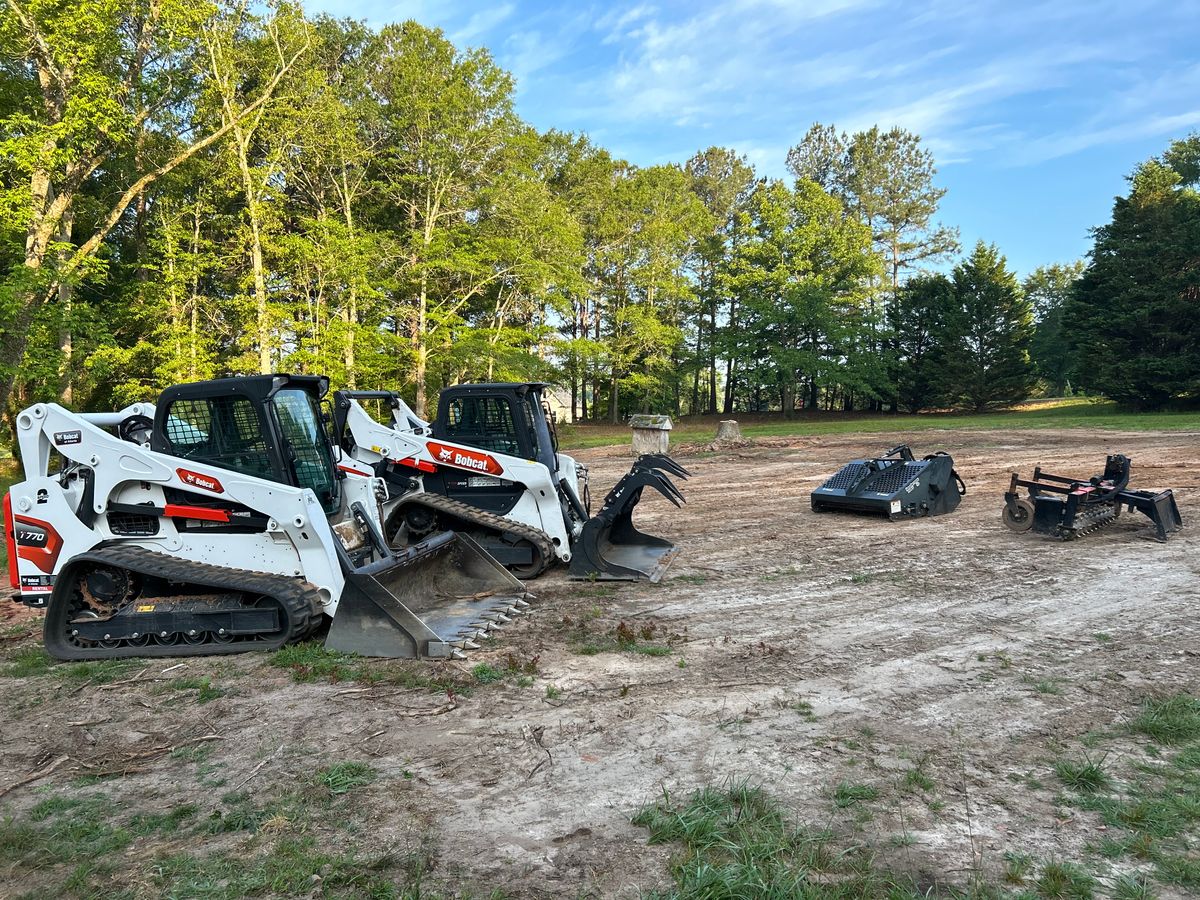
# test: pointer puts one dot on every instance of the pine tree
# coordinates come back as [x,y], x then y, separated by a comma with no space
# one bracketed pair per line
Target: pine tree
[987,335]
[1135,310]
[918,320]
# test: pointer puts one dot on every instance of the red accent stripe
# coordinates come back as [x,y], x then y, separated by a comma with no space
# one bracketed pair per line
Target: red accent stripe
[353,471]
[177,511]
[413,463]
[10,543]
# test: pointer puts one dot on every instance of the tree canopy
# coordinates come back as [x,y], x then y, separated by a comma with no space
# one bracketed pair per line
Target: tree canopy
[195,190]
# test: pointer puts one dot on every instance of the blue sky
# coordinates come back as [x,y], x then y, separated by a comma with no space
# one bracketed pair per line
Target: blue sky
[1035,112]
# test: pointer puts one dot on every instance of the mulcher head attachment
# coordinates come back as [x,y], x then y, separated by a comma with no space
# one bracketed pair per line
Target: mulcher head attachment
[432,599]
[609,548]
[895,485]
[1066,508]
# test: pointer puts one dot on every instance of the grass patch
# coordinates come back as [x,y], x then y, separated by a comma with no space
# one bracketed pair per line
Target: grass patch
[343,777]
[1132,887]
[286,871]
[1084,775]
[735,841]
[848,794]
[310,662]
[1152,810]
[79,845]
[622,638]
[33,662]
[1045,685]
[202,685]
[1017,867]
[1170,721]
[917,780]
[1065,881]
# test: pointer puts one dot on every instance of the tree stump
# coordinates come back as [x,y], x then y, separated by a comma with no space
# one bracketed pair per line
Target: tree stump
[729,432]
[651,434]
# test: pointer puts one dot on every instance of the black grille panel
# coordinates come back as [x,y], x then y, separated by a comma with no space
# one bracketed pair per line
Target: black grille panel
[894,478]
[846,477]
[131,525]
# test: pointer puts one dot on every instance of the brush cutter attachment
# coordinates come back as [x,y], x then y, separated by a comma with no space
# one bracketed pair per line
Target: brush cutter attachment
[896,485]
[1066,508]
[431,599]
[609,548]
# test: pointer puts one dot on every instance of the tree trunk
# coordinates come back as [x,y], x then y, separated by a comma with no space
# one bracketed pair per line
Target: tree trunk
[194,330]
[613,412]
[420,346]
[242,139]
[66,296]
[712,360]
[351,334]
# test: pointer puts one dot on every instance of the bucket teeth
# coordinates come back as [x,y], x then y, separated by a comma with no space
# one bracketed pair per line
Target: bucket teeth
[465,644]
[528,596]
[520,604]
[497,618]
[457,654]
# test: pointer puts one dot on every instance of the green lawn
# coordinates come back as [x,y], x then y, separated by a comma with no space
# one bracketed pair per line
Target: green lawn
[1076,412]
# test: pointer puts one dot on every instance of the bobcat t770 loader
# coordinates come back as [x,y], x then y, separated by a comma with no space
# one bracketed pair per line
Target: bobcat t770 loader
[489,467]
[221,520]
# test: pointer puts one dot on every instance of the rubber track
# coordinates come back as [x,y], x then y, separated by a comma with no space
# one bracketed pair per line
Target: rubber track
[485,519]
[301,599]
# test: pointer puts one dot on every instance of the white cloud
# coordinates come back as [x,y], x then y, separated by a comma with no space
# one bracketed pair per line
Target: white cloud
[481,24]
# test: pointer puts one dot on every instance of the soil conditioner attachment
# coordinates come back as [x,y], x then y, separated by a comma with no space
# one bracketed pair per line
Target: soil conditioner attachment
[896,485]
[222,519]
[1067,507]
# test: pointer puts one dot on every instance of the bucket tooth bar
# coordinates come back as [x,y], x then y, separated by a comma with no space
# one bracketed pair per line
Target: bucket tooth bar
[610,548]
[436,599]
[1065,507]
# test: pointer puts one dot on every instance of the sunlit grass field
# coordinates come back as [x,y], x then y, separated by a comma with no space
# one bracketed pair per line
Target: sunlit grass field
[1073,412]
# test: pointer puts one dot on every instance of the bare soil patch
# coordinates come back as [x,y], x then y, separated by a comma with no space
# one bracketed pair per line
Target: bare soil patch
[801,651]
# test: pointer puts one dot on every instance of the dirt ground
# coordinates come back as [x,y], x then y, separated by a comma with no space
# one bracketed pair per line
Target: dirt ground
[806,650]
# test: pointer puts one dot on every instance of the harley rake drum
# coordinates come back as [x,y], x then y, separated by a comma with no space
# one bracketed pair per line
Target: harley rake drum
[1066,507]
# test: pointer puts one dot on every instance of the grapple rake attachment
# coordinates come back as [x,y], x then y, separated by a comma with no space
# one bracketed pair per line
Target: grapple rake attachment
[432,599]
[1065,507]
[610,548]
[896,485]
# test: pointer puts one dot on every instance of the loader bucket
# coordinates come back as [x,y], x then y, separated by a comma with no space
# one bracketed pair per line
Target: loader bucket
[431,600]
[609,547]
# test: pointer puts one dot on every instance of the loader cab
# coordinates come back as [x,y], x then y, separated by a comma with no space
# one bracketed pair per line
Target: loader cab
[506,418]
[264,426]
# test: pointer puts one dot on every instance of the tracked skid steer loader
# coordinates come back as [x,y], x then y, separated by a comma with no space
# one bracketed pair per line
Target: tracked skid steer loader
[896,485]
[489,466]
[220,520]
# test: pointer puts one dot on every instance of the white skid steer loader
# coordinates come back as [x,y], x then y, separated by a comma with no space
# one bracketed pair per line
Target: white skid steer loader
[489,466]
[220,520]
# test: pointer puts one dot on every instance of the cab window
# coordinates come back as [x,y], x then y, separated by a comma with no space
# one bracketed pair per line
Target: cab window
[220,431]
[305,445]
[484,422]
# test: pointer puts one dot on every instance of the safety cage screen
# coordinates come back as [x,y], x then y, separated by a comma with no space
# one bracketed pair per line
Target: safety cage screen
[219,431]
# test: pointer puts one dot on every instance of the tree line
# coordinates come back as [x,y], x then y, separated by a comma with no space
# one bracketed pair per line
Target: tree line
[192,190]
